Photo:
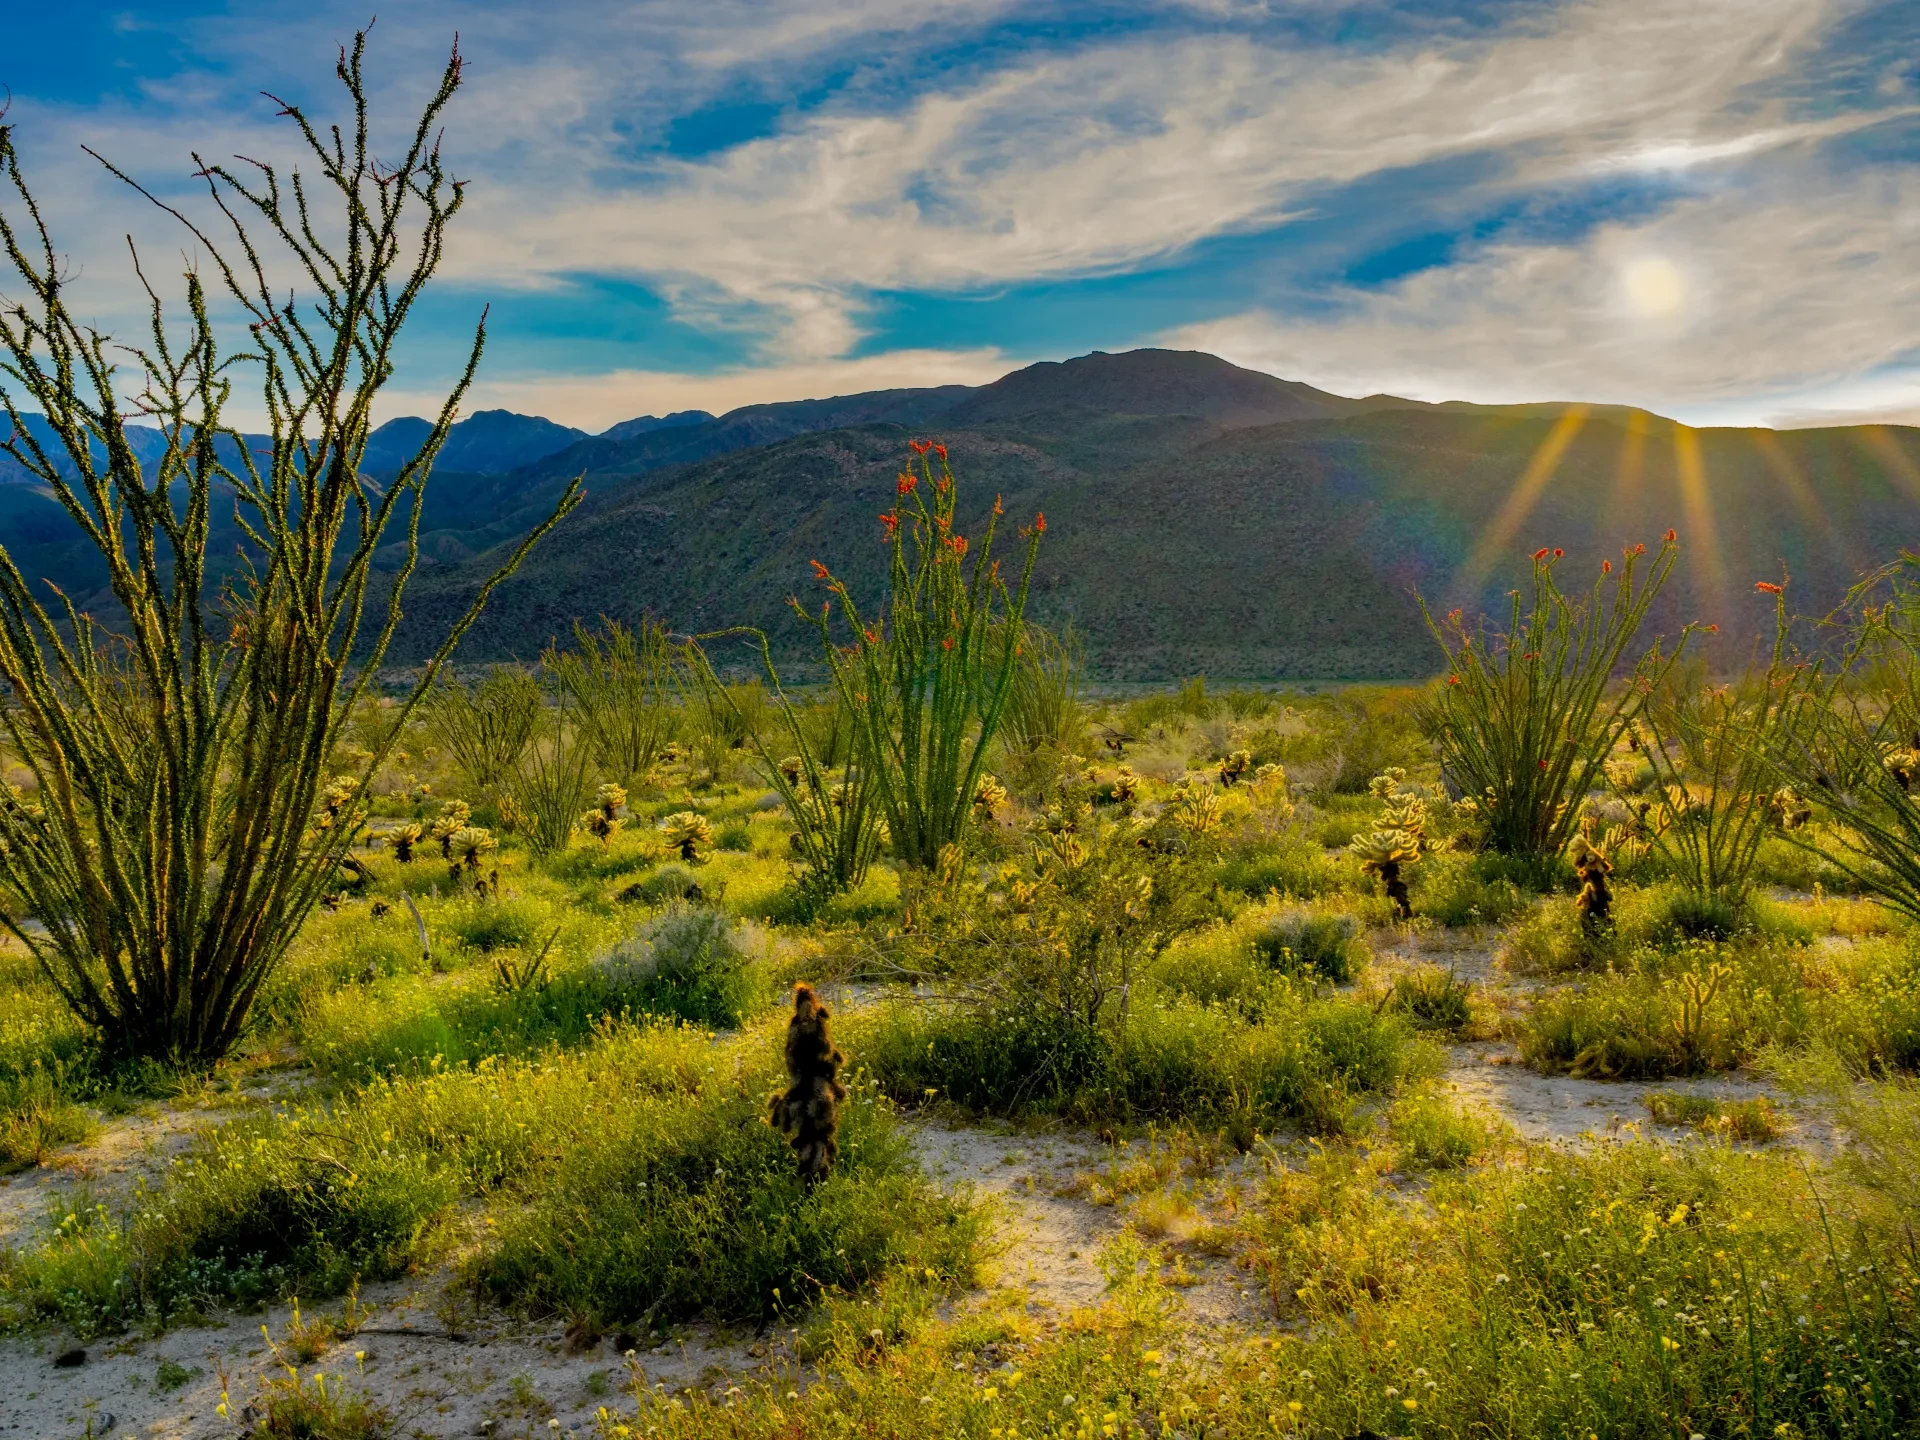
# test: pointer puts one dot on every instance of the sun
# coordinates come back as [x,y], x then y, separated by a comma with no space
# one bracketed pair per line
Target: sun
[1653,287]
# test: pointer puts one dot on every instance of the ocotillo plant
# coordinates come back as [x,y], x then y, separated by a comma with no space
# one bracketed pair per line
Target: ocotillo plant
[621,683]
[170,857]
[486,728]
[836,823]
[1713,755]
[1528,716]
[1856,725]
[927,680]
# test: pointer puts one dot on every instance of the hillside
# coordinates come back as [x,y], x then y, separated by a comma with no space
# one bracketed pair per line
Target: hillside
[1203,518]
[1181,541]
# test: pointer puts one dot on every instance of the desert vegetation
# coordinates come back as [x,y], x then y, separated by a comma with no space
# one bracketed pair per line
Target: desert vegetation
[1530,1053]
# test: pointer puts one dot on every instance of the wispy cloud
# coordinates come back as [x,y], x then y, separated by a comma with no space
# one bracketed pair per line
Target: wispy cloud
[1724,307]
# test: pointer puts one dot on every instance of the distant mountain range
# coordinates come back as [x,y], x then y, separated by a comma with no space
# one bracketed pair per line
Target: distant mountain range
[1202,518]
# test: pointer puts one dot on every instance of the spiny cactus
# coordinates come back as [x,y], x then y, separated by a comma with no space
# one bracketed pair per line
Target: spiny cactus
[403,839]
[1788,810]
[1384,853]
[1125,788]
[1595,901]
[807,1112]
[452,819]
[988,796]
[1234,766]
[689,833]
[603,821]
[468,845]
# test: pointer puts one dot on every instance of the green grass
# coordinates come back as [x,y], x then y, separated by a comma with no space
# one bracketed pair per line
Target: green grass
[309,1199]
[1305,1060]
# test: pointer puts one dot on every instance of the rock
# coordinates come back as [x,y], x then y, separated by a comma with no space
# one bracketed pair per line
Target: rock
[103,1423]
[70,1359]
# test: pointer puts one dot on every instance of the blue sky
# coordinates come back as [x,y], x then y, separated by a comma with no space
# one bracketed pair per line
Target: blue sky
[1710,208]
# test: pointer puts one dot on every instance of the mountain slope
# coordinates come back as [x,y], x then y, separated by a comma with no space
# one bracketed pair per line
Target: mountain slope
[1288,549]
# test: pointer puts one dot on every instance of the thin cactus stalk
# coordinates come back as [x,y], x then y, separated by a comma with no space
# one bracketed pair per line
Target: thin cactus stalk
[180,751]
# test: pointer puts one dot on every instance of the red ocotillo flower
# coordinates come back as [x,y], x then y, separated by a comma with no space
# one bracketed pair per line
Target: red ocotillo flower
[1558,553]
[1541,553]
[1768,586]
[820,571]
[941,451]
[890,519]
[1040,522]
[904,485]
[959,546]
[919,447]
[1606,567]
[1671,535]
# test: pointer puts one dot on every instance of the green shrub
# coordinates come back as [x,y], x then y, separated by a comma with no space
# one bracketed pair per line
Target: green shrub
[1453,891]
[687,962]
[1755,1120]
[672,881]
[1296,868]
[681,1210]
[1432,999]
[487,925]
[1430,1133]
[1325,944]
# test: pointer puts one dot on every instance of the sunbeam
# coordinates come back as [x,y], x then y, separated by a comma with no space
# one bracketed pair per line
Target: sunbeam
[1519,504]
[1703,541]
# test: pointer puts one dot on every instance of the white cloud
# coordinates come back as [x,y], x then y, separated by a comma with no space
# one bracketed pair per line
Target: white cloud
[1730,308]
[1102,158]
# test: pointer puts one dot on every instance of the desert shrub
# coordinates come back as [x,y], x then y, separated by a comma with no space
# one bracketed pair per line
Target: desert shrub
[680,1210]
[1432,998]
[1304,1060]
[1458,890]
[486,923]
[1430,1132]
[1756,1120]
[672,881]
[689,962]
[1323,943]
[551,782]
[1288,867]
[1044,713]
[1374,731]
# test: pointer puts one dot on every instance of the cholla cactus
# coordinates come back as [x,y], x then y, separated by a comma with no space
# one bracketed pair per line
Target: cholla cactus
[1385,853]
[1406,808]
[1125,788]
[1787,810]
[452,819]
[603,821]
[1234,766]
[1196,809]
[468,845]
[421,793]
[403,839]
[338,794]
[1903,764]
[1595,901]
[988,796]
[791,768]
[689,833]
[609,798]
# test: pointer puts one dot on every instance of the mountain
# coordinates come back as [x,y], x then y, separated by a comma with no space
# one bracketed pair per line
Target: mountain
[1202,518]
[487,442]
[647,424]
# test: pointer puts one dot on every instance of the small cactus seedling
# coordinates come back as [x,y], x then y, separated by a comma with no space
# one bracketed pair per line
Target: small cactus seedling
[807,1112]
[689,833]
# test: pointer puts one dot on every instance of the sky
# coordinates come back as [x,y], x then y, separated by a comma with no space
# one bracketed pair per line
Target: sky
[1709,208]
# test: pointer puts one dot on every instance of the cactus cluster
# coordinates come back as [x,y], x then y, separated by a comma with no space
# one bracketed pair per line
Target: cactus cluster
[688,832]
